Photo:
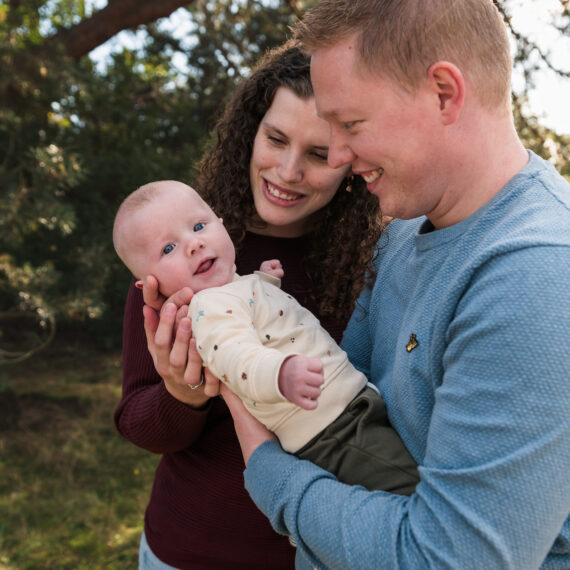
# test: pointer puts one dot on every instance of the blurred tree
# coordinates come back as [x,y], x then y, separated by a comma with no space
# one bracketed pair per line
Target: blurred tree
[529,58]
[76,137]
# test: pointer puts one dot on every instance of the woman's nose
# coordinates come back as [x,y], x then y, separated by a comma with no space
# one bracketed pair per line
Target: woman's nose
[290,168]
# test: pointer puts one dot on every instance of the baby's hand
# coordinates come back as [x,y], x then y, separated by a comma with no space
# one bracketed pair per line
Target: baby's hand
[272,267]
[300,380]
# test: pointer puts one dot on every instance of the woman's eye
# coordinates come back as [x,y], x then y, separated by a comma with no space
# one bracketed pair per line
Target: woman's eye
[167,249]
[320,156]
[275,140]
[199,226]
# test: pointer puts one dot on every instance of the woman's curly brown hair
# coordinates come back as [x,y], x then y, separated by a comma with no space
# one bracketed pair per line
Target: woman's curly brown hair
[344,239]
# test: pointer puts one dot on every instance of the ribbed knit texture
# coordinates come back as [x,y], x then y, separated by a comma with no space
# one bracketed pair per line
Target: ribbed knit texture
[467,336]
[199,515]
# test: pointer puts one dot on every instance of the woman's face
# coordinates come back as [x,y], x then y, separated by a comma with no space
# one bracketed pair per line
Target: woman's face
[290,177]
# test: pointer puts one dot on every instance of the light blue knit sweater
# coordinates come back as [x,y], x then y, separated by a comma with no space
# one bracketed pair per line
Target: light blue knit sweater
[467,335]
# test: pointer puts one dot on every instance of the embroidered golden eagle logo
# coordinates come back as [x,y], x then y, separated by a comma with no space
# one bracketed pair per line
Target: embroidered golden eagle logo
[412,343]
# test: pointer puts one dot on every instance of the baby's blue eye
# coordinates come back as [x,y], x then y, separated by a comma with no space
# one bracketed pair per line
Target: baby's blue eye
[199,226]
[167,249]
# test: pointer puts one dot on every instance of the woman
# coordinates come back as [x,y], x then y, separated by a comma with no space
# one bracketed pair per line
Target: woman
[266,175]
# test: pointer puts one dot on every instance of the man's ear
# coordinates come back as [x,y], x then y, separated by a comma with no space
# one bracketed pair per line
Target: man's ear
[448,83]
[139,284]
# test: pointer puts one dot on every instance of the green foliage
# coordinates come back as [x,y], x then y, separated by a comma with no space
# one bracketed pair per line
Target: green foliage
[550,145]
[75,139]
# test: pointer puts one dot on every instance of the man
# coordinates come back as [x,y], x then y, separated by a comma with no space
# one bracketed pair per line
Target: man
[465,332]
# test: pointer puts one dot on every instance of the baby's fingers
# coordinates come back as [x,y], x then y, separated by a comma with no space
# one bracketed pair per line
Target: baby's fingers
[307,403]
[315,365]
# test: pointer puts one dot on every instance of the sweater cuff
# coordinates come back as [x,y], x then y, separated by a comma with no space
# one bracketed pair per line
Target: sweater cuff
[173,411]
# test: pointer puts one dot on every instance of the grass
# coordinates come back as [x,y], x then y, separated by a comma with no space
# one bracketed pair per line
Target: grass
[72,491]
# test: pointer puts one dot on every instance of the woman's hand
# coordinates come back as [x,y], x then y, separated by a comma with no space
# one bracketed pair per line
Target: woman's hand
[251,432]
[173,350]
[153,298]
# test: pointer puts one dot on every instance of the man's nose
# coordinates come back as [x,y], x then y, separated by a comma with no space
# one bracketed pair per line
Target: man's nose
[340,153]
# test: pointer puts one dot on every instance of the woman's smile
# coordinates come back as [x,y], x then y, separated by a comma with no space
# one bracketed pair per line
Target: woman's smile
[278,195]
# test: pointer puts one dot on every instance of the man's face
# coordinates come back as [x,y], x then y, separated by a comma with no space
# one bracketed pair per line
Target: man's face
[390,137]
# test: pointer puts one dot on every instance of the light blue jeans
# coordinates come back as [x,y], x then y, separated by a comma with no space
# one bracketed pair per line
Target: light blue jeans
[147,559]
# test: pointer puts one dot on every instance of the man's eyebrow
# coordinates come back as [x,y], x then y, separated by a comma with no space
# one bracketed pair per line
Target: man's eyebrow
[326,115]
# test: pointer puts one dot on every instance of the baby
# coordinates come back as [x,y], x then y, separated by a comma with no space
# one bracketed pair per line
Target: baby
[262,343]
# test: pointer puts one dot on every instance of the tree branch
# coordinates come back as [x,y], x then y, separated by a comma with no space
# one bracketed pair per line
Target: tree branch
[118,15]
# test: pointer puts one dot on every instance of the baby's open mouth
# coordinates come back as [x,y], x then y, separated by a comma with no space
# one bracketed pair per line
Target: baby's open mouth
[205,265]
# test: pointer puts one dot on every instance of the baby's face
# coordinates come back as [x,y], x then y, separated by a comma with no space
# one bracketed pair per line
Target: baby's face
[177,238]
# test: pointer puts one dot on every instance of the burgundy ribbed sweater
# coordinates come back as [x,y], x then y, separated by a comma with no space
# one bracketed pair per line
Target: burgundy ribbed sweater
[199,516]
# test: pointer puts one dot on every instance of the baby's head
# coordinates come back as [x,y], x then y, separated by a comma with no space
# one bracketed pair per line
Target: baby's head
[165,229]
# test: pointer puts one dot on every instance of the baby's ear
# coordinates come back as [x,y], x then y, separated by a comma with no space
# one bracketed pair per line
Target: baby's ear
[139,284]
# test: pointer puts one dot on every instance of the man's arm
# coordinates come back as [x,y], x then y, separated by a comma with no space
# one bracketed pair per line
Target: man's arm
[250,431]
[494,479]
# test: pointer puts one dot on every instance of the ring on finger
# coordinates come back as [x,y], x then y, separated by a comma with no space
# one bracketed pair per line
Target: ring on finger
[202,380]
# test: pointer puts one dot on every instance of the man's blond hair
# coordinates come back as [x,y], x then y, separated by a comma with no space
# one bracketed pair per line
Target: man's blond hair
[401,39]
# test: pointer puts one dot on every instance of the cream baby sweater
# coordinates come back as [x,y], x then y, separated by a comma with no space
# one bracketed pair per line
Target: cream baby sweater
[246,329]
